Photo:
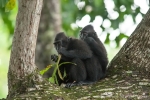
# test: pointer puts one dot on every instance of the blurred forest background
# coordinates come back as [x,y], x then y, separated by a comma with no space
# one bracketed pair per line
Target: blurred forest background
[113,20]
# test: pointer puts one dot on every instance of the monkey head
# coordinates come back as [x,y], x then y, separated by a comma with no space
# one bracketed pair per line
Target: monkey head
[61,40]
[87,31]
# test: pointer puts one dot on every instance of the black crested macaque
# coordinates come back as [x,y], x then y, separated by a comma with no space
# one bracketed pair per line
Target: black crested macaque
[89,35]
[71,50]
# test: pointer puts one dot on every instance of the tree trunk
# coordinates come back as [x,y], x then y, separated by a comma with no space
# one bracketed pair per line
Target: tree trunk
[50,24]
[135,54]
[130,68]
[22,58]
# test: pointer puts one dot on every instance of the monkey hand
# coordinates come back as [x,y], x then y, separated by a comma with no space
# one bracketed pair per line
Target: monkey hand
[54,57]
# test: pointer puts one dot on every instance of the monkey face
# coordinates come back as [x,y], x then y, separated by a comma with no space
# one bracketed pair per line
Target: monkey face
[87,31]
[61,43]
[57,45]
[83,35]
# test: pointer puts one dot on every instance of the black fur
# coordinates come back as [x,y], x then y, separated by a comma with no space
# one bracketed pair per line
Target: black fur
[72,50]
[76,49]
[100,59]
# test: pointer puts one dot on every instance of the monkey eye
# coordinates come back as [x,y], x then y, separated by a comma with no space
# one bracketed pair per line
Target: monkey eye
[57,43]
[85,34]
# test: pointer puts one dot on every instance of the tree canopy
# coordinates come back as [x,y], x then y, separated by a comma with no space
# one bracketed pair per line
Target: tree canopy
[72,11]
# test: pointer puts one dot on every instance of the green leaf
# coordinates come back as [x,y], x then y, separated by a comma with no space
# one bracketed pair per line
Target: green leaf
[10,5]
[3,3]
[56,66]
[59,73]
[64,74]
[46,69]
[56,80]
[52,79]
[67,63]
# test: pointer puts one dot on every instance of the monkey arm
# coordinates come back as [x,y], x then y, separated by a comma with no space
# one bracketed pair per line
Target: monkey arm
[75,53]
[99,50]
[95,47]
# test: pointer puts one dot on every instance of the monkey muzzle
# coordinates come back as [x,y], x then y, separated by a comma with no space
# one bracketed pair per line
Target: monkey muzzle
[83,35]
[57,45]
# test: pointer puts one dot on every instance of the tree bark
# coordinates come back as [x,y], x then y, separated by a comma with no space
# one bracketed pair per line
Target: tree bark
[22,58]
[50,24]
[135,54]
[130,68]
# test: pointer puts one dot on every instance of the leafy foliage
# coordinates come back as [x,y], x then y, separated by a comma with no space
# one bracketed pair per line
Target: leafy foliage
[45,70]
[3,3]
[8,4]
[74,10]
